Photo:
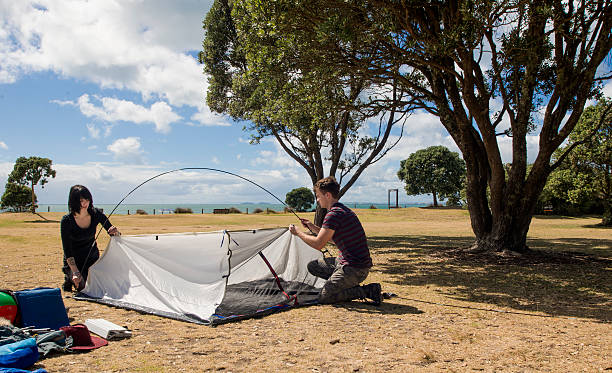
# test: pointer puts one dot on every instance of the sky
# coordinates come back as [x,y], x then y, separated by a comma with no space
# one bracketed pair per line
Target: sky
[112,92]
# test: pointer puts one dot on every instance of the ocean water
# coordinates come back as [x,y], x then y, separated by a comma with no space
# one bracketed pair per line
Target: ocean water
[200,208]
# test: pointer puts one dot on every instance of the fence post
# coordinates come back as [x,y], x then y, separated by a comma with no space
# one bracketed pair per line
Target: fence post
[128,212]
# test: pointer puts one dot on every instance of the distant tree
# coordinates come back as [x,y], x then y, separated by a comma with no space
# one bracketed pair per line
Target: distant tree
[300,199]
[31,171]
[16,198]
[584,175]
[434,170]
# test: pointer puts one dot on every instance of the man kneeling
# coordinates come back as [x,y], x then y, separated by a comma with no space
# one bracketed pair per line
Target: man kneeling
[351,267]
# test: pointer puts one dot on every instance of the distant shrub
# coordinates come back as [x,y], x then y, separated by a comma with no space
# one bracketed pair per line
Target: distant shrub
[182,210]
[257,211]
[233,210]
[268,211]
[141,212]
[373,207]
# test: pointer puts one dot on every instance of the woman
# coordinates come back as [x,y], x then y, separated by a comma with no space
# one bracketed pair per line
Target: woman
[78,229]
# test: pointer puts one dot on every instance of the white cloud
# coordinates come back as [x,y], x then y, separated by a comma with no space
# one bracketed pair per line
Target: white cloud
[127,150]
[607,90]
[215,160]
[3,145]
[94,132]
[114,110]
[115,44]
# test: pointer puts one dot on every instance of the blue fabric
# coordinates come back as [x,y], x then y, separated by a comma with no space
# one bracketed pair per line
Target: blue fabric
[15,370]
[42,308]
[20,354]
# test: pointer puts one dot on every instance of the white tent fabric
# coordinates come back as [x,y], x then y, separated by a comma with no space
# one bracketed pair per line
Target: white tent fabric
[186,275]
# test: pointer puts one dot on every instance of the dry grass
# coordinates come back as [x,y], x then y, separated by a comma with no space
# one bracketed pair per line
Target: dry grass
[454,312]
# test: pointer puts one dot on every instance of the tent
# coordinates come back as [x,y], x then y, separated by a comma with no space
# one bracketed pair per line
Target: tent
[205,278]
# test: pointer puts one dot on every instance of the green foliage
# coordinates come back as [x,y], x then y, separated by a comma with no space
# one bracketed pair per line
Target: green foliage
[434,170]
[31,171]
[17,198]
[264,75]
[183,210]
[300,199]
[583,179]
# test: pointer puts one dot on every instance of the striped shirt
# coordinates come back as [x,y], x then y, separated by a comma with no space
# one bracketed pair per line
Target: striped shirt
[349,236]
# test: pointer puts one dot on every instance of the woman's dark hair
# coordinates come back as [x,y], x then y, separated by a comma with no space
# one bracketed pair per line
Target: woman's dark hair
[74,199]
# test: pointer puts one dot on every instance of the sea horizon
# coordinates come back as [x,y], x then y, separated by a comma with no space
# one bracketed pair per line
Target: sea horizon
[203,208]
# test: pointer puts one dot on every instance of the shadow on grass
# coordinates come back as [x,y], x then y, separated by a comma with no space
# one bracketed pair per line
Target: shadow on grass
[388,307]
[565,277]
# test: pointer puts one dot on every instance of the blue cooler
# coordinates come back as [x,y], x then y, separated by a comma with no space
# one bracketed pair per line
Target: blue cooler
[42,308]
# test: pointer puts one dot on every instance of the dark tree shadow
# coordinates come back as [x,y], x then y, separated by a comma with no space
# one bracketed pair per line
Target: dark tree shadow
[44,220]
[565,277]
[388,307]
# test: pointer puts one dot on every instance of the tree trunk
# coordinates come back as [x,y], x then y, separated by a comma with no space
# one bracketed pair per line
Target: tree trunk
[435,203]
[33,207]
[319,215]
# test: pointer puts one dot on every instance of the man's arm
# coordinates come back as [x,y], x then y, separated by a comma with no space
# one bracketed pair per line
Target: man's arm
[318,242]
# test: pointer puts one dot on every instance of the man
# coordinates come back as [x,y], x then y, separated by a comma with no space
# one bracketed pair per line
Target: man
[351,267]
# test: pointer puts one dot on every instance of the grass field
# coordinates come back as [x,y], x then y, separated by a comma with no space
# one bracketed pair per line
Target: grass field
[455,312]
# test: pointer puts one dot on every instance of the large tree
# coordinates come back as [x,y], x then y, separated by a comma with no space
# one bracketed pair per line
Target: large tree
[489,70]
[314,112]
[31,171]
[434,170]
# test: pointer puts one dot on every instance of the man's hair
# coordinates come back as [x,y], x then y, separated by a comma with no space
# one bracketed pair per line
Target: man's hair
[328,184]
[74,199]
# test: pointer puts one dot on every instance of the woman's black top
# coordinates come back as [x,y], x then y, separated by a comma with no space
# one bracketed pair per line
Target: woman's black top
[78,242]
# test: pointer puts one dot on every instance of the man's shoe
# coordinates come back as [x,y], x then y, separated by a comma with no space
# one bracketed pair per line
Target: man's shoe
[373,292]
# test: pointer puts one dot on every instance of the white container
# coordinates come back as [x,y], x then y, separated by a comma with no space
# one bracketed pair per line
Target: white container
[107,329]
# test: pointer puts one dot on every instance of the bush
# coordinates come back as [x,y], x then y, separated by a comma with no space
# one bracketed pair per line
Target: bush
[182,210]
[233,210]
[17,198]
[373,207]
[268,211]
[257,211]
[141,212]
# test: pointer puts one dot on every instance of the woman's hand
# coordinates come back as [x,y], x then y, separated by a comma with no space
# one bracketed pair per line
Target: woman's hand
[77,279]
[113,231]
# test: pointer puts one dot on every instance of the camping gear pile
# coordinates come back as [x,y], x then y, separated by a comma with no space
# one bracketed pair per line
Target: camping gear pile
[36,324]
[206,278]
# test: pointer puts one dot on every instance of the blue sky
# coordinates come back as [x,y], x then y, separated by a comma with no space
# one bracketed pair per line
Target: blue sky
[111,91]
